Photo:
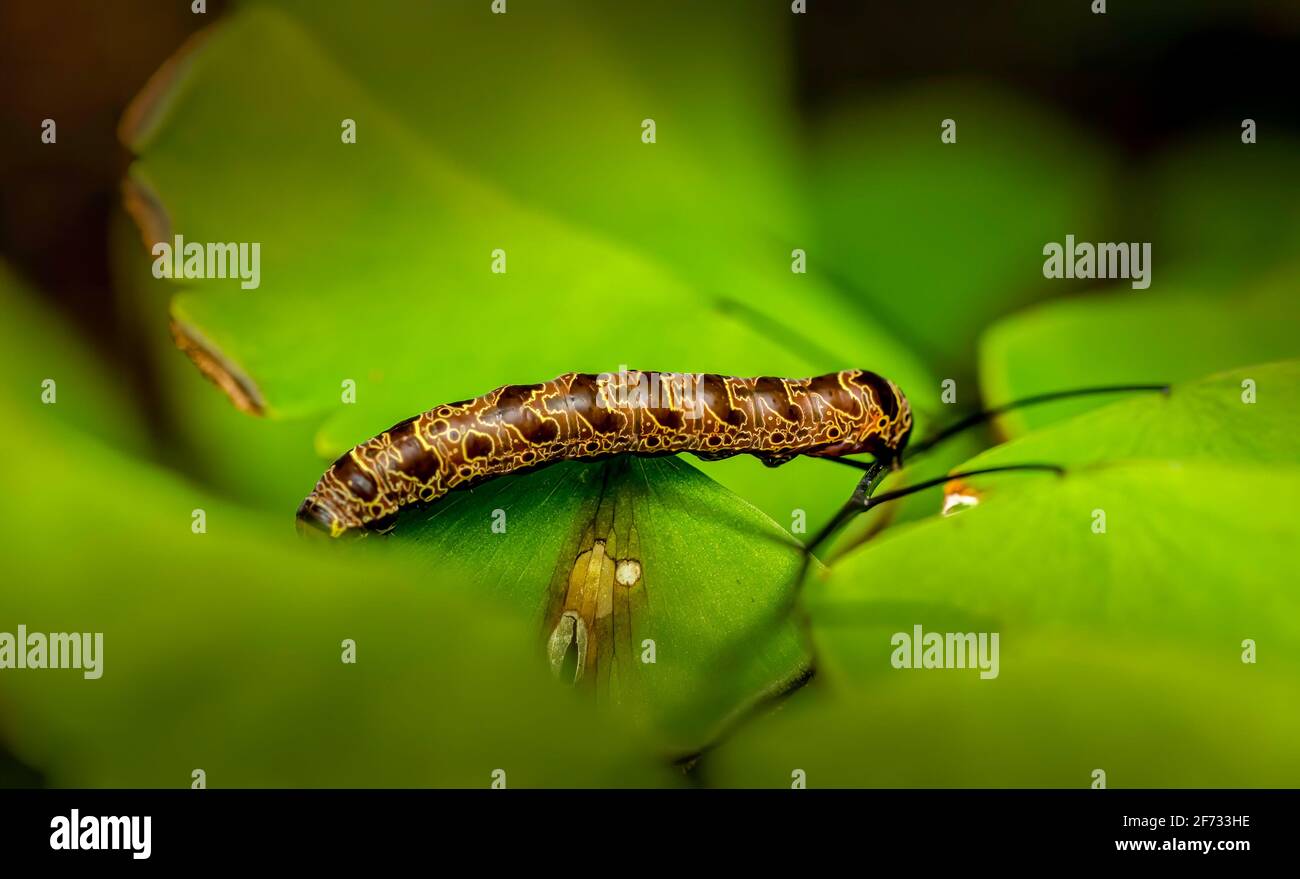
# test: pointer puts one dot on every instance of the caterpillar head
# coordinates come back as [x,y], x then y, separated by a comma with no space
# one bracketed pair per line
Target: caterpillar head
[886,425]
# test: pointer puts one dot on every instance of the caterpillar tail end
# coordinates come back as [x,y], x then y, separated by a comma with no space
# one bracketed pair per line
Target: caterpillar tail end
[315,521]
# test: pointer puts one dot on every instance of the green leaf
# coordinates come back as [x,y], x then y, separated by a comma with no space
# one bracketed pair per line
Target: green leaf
[376,256]
[222,651]
[1059,711]
[1132,337]
[554,110]
[1120,650]
[651,556]
[1205,420]
[50,371]
[394,235]
[265,464]
[938,238]
[1124,596]
[1198,554]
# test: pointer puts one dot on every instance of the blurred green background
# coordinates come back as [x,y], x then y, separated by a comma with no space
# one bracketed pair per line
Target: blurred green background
[774,132]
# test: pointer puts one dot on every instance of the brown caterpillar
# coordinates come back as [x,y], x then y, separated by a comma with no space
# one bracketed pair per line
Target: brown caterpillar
[579,416]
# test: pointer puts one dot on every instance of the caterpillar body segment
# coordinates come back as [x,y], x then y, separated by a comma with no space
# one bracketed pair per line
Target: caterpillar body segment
[580,416]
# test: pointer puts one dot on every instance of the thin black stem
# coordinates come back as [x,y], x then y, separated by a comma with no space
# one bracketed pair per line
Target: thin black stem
[980,417]
[875,472]
[851,462]
[862,499]
[872,503]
